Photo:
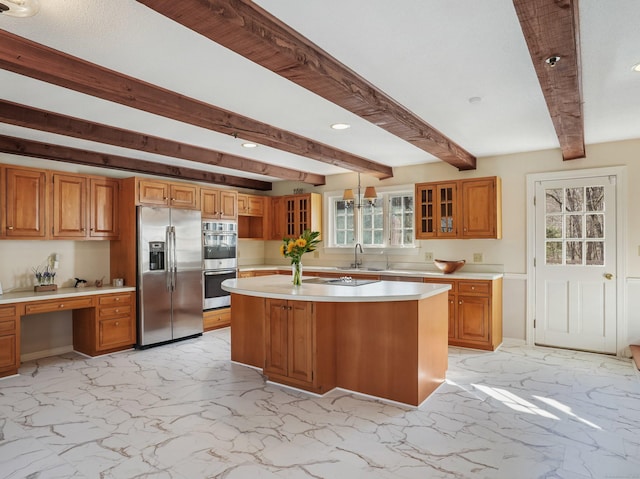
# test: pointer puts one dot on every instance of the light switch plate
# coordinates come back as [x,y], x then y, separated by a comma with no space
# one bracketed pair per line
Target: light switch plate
[428,256]
[477,257]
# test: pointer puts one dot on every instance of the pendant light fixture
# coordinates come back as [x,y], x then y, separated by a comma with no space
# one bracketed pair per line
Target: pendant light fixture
[19,8]
[370,196]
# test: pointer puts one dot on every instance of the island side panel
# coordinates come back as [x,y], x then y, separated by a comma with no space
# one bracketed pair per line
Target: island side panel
[376,349]
[433,349]
[247,330]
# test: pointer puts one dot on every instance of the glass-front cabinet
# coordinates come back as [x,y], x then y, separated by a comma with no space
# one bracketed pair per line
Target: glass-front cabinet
[437,204]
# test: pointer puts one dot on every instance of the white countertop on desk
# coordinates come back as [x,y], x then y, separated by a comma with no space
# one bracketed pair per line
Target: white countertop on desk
[25,296]
[280,287]
[390,272]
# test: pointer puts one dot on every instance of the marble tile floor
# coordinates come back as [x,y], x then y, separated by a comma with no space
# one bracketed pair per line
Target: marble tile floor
[185,411]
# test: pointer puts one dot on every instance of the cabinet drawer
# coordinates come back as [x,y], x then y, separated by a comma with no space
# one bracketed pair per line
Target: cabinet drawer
[114,333]
[115,312]
[7,311]
[474,287]
[216,319]
[58,305]
[114,299]
[7,326]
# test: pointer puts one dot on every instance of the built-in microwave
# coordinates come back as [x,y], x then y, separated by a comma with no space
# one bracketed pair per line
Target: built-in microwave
[219,244]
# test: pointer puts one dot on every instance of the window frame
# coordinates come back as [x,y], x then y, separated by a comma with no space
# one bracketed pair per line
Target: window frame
[384,202]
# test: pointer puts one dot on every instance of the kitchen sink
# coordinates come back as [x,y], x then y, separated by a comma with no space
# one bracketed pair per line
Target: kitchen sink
[344,281]
[351,268]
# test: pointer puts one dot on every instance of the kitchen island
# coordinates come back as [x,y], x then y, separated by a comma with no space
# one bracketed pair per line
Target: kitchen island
[382,338]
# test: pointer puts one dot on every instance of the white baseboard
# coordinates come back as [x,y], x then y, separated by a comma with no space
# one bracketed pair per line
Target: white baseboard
[513,342]
[46,353]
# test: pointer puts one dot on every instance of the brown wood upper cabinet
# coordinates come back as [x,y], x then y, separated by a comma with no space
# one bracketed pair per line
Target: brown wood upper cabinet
[250,205]
[470,208]
[26,203]
[292,214]
[218,204]
[162,193]
[84,207]
[252,216]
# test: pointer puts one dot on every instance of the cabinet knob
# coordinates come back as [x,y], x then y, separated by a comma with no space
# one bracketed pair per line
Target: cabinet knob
[9,227]
[117,311]
[117,323]
[61,305]
[117,299]
[473,287]
[460,302]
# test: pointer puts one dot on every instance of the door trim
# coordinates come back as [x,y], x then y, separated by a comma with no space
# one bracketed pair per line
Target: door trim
[621,239]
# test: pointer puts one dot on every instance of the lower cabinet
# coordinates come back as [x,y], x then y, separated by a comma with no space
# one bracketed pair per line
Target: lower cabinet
[475,313]
[10,339]
[108,327]
[216,318]
[298,344]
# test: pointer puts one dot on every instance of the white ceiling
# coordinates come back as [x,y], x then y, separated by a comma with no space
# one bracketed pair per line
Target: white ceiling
[430,55]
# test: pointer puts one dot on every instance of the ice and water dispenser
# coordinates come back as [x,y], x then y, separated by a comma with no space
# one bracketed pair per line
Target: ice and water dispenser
[156,255]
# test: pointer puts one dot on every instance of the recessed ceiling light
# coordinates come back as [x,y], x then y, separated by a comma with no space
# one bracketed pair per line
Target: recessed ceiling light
[636,68]
[249,145]
[340,126]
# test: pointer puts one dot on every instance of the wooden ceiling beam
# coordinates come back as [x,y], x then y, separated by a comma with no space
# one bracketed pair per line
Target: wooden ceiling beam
[252,32]
[37,149]
[38,61]
[551,30]
[51,122]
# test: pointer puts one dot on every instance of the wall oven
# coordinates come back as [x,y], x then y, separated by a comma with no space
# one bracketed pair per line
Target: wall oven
[219,243]
[214,295]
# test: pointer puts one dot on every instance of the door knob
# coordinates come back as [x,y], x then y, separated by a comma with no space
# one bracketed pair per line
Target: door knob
[608,275]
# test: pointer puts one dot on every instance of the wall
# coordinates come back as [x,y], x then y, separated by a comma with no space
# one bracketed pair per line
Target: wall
[507,255]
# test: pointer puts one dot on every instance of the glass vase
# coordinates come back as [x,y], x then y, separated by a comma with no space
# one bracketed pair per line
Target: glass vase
[296,270]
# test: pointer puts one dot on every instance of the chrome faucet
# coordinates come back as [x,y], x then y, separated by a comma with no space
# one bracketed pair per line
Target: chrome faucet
[357,263]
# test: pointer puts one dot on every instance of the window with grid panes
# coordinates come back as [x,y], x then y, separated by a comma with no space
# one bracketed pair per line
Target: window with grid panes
[389,223]
[401,222]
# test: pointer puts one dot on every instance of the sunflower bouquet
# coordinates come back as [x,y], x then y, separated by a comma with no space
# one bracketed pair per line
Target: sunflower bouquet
[294,248]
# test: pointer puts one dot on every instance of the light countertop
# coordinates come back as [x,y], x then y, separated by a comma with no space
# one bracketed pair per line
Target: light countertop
[280,287]
[25,296]
[381,272]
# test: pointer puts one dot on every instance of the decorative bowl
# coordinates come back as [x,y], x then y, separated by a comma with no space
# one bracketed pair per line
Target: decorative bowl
[448,267]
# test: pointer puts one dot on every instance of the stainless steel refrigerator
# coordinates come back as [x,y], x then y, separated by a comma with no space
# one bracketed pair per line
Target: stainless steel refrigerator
[169,275]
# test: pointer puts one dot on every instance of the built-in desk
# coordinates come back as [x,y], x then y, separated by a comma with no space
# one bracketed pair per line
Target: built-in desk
[104,320]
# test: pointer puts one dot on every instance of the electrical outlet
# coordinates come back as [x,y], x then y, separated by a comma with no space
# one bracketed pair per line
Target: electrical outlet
[477,257]
[316,254]
[428,256]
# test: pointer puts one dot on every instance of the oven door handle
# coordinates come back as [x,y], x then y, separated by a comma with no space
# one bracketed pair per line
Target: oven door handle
[217,273]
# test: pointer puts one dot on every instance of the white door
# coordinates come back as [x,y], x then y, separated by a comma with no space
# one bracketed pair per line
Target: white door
[575,264]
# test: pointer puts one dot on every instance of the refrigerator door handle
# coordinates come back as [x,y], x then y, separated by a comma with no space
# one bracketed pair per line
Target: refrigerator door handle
[174,260]
[169,260]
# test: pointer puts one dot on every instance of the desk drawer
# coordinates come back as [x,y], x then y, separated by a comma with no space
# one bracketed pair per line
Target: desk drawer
[58,305]
[7,311]
[7,326]
[115,312]
[114,333]
[8,357]
[115,299]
